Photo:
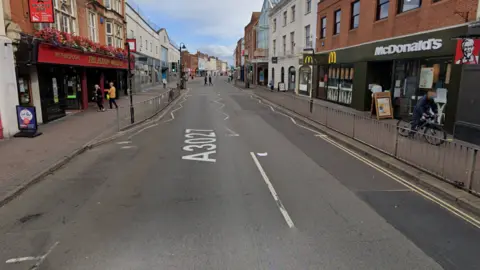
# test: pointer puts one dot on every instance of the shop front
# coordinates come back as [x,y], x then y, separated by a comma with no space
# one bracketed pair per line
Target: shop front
[66,78]
[406,67]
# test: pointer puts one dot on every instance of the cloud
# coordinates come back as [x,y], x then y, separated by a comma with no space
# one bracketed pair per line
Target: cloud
[222,18]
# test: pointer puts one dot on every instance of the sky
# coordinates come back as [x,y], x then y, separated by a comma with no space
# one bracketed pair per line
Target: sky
[210,26]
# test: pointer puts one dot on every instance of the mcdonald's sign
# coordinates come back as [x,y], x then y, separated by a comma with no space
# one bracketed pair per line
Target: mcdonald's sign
[332,57]
[308,60]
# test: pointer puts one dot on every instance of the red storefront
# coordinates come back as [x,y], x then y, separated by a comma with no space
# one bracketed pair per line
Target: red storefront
[67,78]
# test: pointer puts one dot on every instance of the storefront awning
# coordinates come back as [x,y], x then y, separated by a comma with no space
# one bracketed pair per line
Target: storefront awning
[72,57]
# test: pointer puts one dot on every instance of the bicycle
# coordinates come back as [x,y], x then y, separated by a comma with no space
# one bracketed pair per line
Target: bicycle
[432,132]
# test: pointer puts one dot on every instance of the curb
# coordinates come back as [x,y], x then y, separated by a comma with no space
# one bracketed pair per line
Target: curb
[89,145]
[445,190]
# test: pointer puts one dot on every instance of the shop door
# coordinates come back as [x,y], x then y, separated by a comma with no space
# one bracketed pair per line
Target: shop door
[291,78]
[73,94]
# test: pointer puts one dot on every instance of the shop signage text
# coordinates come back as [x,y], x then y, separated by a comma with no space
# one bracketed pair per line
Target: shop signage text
[41,11]
[418,46]
[61,56]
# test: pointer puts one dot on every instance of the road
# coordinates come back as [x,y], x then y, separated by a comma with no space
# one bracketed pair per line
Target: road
[227,182]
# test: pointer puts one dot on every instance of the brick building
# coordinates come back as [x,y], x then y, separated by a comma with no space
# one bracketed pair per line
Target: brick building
[186,61]
[57,73]
[406,47]
[250,38]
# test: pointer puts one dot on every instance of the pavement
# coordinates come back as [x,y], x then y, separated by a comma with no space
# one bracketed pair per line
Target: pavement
[225,182]
[25,159]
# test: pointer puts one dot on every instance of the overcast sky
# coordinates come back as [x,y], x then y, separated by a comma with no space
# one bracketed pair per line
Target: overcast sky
[211,26]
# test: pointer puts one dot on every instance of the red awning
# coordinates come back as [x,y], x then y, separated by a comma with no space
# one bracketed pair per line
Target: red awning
[65,56]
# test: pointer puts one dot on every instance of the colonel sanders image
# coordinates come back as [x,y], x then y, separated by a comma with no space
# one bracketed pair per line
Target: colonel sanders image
[468,46]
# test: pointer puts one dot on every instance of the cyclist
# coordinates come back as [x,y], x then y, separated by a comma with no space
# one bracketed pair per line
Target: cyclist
[424,108]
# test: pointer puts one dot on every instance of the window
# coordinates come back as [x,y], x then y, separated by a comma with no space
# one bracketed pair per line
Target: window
[274,25]
[65,19]
[165,39]
[146,45]
[355,20]
[151,47]
[109,32]
[382,9]
[308,37]
[293,13]
[336,26]
[308,6]
[284,45]
[132,34]
[340,83]
[292,42]
[107,4]
[141,43]
[323,27]
[406,5]
[118,36]
[274,47]
[156,49]
[284,18]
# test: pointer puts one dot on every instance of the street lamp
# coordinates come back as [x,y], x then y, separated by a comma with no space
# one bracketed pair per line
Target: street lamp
[182,79]
[132,109]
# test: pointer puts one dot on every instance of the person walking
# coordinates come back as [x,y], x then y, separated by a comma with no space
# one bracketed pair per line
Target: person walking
[164,81]
[210,80]
[205,79]
[99,98]
[112,93]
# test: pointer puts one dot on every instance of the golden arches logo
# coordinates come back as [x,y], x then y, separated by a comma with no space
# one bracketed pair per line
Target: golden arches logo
[308,60]
[332,57]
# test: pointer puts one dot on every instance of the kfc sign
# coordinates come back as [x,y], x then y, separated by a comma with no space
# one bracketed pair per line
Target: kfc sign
[418,46]
[41,11]
[467,51]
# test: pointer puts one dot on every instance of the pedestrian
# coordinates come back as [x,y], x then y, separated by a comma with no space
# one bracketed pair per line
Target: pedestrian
[271,85]
[210,80]
[99,98]
[205,79]
[112,93]
[164,81]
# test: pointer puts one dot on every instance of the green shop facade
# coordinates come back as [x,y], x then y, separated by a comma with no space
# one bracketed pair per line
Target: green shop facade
[406,66]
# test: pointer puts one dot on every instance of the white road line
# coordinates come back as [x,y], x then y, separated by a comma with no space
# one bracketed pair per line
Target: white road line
[127,147]
[171,113]
[40,261]
[232,133]
[22,259]
[284,212]
[124,142]
[141,130]
[262,154]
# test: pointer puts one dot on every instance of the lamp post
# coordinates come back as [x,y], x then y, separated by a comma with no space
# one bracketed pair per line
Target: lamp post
[132,109]
[182,79]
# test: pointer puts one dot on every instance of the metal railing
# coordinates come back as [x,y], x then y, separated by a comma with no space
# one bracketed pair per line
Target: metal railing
[452,162]
[145,109]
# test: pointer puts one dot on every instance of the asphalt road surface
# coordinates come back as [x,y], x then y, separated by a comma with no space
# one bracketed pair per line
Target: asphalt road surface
[226,182]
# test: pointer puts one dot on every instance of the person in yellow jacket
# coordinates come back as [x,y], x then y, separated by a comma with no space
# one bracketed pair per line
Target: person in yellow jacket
[112,94]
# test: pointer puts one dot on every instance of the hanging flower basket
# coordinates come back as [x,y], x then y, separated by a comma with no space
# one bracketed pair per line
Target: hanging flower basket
[62,39]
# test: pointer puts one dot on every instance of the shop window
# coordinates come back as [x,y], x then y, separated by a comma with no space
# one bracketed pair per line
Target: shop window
[382,9]
[118,36]
[340,83]
[65,20]
[109,32]
[355,19]
[336,26]
[92,26]
[293,13]
[323,27]
[308,37]
[406,5]
[308,5]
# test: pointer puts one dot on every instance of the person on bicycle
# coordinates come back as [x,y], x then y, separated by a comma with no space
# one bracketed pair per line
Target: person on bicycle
[424,108]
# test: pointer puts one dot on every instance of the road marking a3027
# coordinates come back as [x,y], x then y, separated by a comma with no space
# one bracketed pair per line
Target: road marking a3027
[200,140]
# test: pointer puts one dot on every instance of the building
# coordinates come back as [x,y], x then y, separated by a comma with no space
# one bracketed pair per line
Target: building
[194,64]
[240,59]
[250,39]
[164,52]
[202,64]
[187,62]
[9,93]
[405,50]
[292,28]
[147,55]
[173,59]
[57,72]
[212,65]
